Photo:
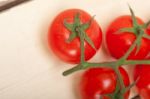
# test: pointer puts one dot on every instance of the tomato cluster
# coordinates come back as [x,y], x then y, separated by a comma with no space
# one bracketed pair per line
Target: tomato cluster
[96,83]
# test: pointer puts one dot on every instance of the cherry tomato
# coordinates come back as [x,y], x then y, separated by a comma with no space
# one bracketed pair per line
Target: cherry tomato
[58,35]
[142,72]
[119,43]
[96,82]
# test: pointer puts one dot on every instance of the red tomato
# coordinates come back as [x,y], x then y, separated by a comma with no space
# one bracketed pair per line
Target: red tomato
[96,82]
[119,43]
[143,84]
[58,35]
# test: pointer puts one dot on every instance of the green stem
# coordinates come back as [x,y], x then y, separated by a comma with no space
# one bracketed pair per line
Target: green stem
[105,64]
[123,59]
[88,65]
[137,62]
[120,79]
[127,62]
[72,70]
[131,48]
[81,36]
[102,64]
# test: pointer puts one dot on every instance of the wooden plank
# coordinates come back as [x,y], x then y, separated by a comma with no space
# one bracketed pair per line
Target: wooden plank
[7,4]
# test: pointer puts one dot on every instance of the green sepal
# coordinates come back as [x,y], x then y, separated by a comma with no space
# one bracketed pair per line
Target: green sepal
[81,28]
[69,26]
[77,19]
[72,36]
[87,39]
[131,85]
[120,31]
[146,36]
[134,21]
[144,26]
[87,25]
[72,27]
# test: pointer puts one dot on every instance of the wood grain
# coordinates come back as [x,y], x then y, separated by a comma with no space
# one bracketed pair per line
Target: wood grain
[7,4]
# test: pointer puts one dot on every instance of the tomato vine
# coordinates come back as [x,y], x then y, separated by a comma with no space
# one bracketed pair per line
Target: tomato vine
[78,30]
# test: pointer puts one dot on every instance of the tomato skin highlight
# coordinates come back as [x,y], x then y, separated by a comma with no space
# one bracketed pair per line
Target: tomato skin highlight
[96,82]
[119,43]
[143,84]
[58,35]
